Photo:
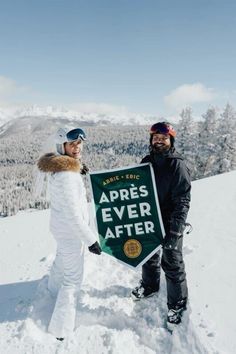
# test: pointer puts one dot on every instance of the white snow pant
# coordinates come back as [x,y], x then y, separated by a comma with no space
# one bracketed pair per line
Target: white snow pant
[64,282]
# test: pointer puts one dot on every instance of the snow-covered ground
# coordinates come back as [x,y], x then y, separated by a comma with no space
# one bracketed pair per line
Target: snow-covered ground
[107,320]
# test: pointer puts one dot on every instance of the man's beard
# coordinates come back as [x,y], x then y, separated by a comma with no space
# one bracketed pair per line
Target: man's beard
[159,148]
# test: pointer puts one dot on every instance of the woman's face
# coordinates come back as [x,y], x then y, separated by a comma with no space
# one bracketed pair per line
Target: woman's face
[74,149]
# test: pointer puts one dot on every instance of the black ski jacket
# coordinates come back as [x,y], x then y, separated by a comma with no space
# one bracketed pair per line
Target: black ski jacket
[173,187]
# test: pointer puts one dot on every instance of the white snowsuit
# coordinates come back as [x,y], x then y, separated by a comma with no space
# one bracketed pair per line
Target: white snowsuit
[69,226]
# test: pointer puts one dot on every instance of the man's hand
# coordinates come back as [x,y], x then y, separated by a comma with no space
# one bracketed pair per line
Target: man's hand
[171,241]
[95,248]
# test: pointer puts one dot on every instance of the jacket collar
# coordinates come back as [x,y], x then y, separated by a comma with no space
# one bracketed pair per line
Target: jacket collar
[58,163]
[169,154]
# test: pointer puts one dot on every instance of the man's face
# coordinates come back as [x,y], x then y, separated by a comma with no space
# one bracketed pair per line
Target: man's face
[74,149]
[161,142]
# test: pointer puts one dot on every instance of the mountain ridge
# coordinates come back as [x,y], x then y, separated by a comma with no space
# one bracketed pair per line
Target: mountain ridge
[89,118]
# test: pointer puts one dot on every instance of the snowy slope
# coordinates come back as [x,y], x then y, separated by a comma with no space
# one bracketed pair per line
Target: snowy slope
[211,261]
[108,321]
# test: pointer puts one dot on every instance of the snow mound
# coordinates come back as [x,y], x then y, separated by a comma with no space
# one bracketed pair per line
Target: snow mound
[108,321]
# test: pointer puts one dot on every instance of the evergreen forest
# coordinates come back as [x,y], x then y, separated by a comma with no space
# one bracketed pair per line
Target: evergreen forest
[208,145]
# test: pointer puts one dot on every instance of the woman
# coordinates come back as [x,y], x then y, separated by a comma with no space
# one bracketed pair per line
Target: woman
[69,225]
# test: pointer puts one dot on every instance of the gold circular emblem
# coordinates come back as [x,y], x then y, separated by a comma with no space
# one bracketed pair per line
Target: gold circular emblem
[132,248]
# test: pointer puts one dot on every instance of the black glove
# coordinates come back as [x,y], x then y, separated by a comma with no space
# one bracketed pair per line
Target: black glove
[171,240]
[95,248]
[84,169]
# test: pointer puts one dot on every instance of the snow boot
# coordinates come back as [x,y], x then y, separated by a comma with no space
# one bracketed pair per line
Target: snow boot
[142,292]
[174,316]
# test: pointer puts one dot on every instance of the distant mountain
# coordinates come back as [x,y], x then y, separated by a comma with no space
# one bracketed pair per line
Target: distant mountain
[35,115]
[31,124]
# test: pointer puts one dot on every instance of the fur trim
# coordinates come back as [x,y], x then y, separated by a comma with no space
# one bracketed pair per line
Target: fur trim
[58,163]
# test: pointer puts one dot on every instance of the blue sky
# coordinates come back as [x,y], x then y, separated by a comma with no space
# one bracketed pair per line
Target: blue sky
[145,56]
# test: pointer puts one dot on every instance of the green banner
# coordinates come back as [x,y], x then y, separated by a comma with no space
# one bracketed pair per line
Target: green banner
[127,211]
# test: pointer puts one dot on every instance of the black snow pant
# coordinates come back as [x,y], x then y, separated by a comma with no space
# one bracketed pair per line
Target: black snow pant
[173,265]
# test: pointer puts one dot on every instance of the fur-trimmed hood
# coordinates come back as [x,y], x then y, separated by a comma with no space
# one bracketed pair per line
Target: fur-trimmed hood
[58,163]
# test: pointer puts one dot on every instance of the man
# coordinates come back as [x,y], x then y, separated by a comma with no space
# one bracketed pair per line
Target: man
[69,224]
[173,187]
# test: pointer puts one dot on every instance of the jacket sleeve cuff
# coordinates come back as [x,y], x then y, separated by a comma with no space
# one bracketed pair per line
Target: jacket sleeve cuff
[175,233]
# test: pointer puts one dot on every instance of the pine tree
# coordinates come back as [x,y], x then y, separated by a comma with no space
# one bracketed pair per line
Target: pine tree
[207,144]
[226,160]
[187,139]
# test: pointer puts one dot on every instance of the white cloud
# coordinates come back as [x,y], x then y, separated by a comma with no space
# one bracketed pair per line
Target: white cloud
[99,108]
[7,86]
[13,94]
[188,94]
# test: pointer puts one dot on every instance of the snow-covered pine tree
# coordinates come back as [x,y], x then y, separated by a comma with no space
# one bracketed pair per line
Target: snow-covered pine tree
[208,144]
[226,159]
[187,139]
